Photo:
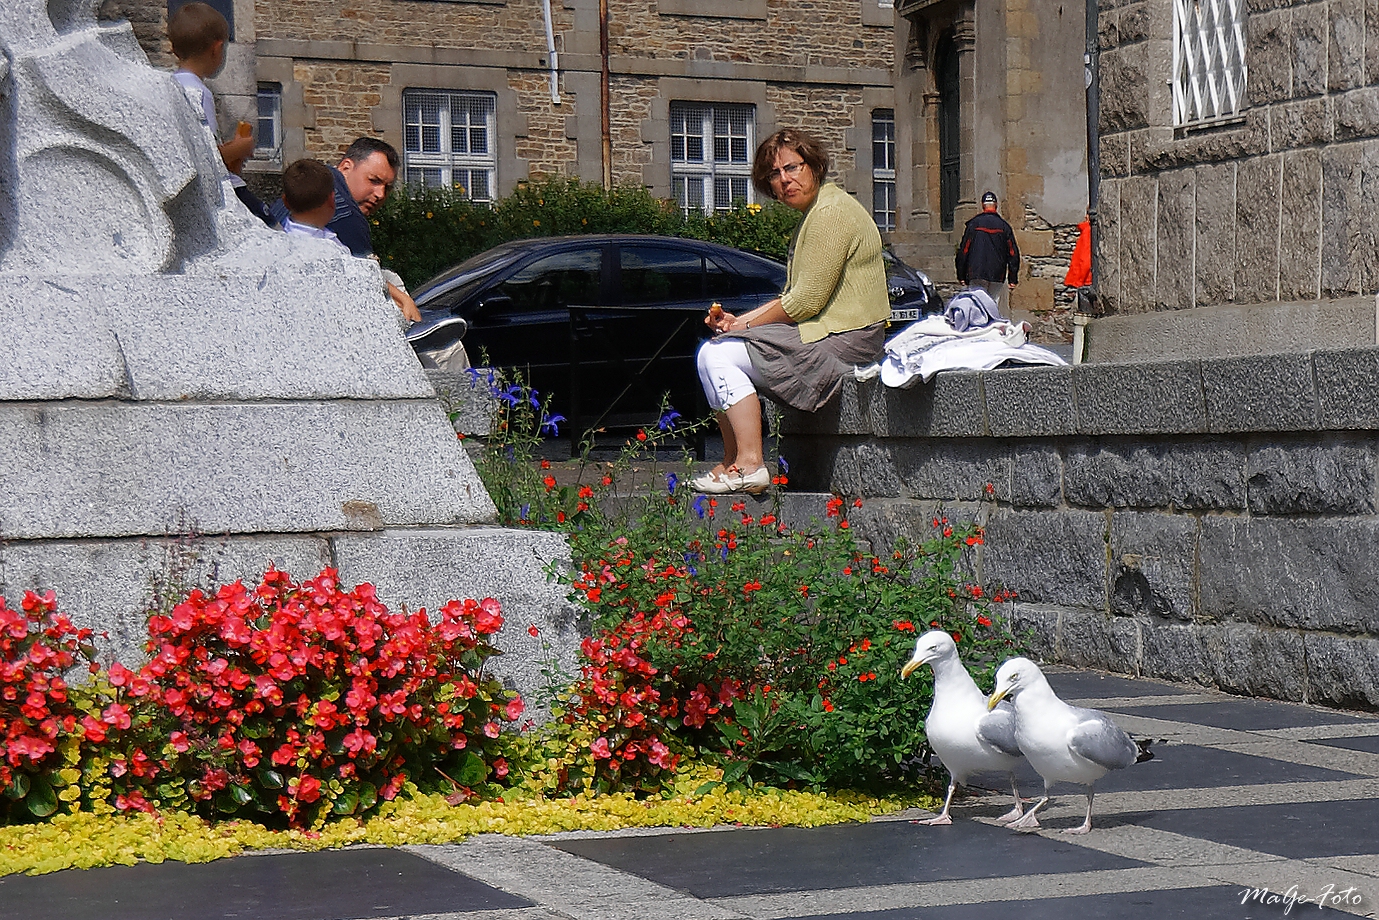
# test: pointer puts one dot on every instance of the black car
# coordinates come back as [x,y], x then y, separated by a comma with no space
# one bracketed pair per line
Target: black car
[912,293]
[606,324]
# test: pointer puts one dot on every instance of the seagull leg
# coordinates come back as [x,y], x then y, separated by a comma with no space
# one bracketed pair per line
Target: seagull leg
[1019,809]
[1029,821]
[1086,825]
[943,815]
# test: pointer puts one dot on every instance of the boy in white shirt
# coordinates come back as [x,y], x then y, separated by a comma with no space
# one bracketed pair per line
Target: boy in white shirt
[309,194]
[198,34]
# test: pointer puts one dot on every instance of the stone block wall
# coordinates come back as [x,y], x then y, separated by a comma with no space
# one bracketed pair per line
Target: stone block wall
[1208,520]
[343,67]
[1277,205]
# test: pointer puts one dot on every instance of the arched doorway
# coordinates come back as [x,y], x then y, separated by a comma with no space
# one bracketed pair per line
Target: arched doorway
[949,149]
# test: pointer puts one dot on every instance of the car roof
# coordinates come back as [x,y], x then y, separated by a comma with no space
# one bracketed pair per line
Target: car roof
[515,249]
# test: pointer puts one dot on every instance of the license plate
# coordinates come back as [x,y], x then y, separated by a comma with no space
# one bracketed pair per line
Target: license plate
[906,315]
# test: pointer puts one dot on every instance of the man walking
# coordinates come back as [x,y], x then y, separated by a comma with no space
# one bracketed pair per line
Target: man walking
[988,257]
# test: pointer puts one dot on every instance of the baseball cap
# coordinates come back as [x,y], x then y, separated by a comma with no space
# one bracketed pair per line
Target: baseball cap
[989,198]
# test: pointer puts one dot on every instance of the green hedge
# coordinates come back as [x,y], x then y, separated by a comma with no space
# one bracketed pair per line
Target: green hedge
[421,232]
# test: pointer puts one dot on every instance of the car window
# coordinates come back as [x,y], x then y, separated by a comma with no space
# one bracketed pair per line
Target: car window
[656,274]
[556,281]
[756,275]
[719,283]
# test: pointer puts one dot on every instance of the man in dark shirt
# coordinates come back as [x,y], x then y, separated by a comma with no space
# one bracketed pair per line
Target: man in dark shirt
[987,257]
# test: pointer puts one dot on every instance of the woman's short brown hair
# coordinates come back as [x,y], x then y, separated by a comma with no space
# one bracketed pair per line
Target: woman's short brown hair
[806,145]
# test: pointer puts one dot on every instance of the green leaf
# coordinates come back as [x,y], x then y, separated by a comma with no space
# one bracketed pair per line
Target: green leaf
[226,804]
[241,794]
[368,796]
[734,772]
[708,787]
[270,779]
[19,787]
[472,770]
[41,800]
[792,770]
[347,804]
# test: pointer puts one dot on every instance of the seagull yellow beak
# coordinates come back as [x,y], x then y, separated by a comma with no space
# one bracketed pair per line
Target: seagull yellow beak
[911,666]
[995,698]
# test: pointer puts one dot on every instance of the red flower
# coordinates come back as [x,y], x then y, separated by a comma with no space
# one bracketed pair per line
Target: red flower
[533,631]
[983,620]
[548,482]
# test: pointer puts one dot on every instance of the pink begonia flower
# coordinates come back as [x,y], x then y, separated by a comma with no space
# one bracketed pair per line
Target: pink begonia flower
[491,729]
[600,749]
[514,709]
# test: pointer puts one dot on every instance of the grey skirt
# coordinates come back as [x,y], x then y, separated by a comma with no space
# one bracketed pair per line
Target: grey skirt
[806,376]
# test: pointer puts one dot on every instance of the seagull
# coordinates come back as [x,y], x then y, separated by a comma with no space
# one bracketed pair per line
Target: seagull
[1063,743]
[966,736]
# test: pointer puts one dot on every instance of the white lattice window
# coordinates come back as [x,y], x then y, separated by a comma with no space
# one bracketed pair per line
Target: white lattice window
[1208,60]
[268,138]
[883,168]
[449,141]
[711,149]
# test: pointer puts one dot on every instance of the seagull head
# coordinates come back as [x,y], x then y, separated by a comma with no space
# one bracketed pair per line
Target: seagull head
[1012,677]
[930,647]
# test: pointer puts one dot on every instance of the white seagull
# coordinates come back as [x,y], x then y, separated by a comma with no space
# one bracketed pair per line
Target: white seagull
[962,732]
[1063,743]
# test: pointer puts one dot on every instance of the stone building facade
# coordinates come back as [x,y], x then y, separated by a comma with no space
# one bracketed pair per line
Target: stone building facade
[1238,155]
[924,104]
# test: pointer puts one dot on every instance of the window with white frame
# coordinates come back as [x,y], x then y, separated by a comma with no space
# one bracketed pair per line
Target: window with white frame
[711,147]
[1209,69]
[449,141]
[268,136]
[883,168]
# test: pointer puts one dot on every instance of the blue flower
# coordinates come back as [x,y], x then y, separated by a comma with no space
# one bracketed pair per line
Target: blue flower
[784,467]
[671,482]
[473,373]
[668,419]
[550,424]
[723,553]
[510,395]
[526,510]
[700,505]
[535,400]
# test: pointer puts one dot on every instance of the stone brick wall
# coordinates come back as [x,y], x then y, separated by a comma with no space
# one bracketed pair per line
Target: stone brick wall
[1211,520]
[1276,206]
[344,63]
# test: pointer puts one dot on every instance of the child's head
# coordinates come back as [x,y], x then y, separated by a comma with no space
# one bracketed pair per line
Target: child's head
[309,192]
[198,33]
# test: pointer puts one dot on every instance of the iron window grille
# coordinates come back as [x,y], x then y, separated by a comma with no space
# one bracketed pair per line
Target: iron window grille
[883,209]
[268,136]
[1209,70]
[448,141]
[711,149]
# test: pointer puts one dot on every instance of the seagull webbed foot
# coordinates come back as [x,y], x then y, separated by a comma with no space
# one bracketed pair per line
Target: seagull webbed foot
[1015,814]
[943,820]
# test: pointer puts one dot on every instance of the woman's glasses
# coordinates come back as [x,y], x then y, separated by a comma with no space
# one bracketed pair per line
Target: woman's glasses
[789,171]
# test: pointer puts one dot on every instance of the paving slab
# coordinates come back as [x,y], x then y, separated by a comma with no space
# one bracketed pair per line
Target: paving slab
[1243,715]
[1369,744]
[1295,830]
[733,863]
[1217,903]
[1089,685]
[350,884]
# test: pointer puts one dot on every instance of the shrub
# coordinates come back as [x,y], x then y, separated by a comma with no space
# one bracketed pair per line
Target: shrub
[420,232]
[778,650]
[38,715]
[297,702]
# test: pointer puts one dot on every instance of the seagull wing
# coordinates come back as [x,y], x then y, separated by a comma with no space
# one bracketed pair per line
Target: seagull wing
[997,728]
[1100,740]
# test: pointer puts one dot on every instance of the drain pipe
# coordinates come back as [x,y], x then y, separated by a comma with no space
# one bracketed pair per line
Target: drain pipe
[1086,299]
[551,56]
[604,91]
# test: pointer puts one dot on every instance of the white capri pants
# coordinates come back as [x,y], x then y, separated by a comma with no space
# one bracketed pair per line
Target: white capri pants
[726,372]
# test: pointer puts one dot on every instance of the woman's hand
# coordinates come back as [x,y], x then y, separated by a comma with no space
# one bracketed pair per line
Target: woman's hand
[719,320]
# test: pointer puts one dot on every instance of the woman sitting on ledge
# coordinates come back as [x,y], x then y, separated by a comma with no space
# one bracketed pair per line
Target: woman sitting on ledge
[798,347]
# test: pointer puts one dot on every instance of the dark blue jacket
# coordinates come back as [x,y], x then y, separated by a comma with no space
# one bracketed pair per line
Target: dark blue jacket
[988,251]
